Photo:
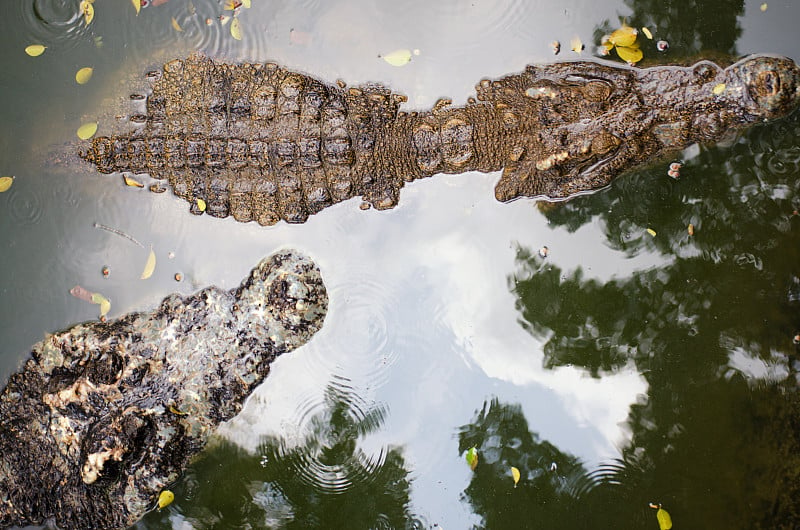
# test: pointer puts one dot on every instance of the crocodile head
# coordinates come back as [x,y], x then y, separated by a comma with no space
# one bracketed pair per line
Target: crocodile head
[770,85]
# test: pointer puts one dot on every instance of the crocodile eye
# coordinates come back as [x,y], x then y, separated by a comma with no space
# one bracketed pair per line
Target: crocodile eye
[768,83]
[597,90]
[706,71]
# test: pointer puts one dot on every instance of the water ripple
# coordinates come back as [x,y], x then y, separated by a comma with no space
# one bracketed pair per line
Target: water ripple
[328,459]
[54,22]
[25,205]
[363,319]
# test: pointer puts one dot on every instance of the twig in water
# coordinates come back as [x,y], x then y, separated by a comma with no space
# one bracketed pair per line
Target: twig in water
[119,233]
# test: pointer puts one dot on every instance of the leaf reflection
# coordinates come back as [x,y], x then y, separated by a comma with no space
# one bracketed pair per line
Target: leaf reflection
[324,481]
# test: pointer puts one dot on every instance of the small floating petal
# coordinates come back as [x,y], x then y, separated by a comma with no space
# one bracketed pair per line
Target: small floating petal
[629,55]
[5,183]
[647,33]
[515,475]
[149,266]
[87,130]
[398,57]
[624,36]
[35,50]
[88,11]
[576,45]
[236,29]
[201,205]
[132,182]
[83,75]
[763,7]
[105,305]
[137,5]
[651,232]
[165,498]
[175,25]
[719,89]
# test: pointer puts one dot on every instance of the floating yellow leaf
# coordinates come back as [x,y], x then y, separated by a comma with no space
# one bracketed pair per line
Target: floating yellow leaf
[719,89]
[576,45]
[231,5]
[515,475]
[472,457]
[763,7]
[236,29]
[690,229]
[35,50]
[629,55]
[201,205]
[87,130]
[83,75]
[651,232]
[149,266]
[165,498]
[246,4]
[5,183]
[87,9]
[137,5]
[664,520]
[624,36]
[175,25]
[132,182]
[398,57]
[647,33]
[105,305]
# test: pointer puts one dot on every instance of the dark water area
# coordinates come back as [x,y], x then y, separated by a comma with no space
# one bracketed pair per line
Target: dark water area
[635,364]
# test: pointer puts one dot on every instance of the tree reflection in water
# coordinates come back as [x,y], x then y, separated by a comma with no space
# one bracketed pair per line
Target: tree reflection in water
[717,438]
[324,481]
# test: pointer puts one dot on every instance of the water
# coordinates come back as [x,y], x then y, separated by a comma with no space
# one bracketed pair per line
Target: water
[621,370]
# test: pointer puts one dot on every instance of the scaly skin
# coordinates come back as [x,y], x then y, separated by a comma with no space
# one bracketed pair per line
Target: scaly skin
[103,416]
[262,143]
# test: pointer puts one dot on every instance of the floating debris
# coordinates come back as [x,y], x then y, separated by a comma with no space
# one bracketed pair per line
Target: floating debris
[544,252]
[556,47]
[119,233]
[662,45]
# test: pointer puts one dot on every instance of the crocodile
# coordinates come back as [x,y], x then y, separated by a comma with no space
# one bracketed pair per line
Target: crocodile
[105,415]
[263,143]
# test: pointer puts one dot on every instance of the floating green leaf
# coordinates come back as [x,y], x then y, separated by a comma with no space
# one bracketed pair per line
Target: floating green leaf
[398,57]
[5,183]
[35,50]
[149,266]
[87,130]
[165,498]
[472,457]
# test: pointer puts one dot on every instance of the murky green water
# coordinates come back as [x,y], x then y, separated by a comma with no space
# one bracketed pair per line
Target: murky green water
[624,369]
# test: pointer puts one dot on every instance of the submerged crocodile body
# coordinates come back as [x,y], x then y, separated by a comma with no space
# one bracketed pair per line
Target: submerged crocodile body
[105,415]
[262,143]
